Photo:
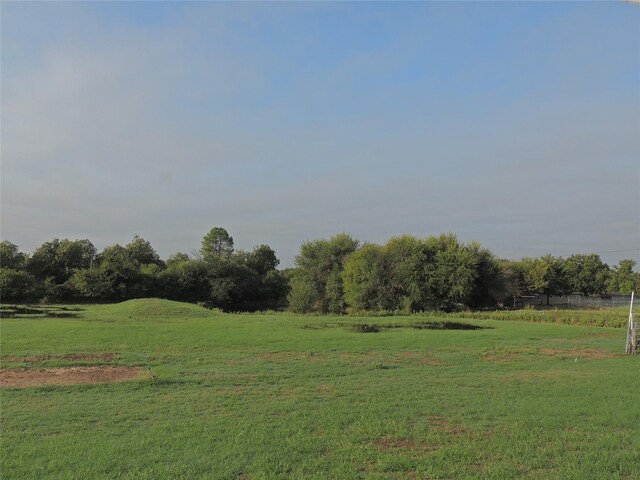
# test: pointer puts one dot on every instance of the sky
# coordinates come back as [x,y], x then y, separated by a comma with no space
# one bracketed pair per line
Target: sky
[516,125]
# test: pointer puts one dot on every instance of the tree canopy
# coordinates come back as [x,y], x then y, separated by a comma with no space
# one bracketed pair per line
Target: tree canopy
[334,275]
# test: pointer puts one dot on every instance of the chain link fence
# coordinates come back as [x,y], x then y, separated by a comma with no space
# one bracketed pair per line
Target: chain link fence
[572,301]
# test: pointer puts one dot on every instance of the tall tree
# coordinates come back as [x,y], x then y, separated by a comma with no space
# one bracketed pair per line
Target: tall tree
[216,244]
[544,276]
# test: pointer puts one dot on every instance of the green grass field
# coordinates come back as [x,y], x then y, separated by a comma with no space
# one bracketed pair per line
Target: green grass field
[285,396]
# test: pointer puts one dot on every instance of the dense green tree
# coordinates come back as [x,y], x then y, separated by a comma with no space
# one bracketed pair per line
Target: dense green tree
[216,244]
[302,297]
[11,257]
[586,274]
[58,259]
[400,275]
[544,276]
[315,263]
[623,279]
[177,258]
[274,289]
[514,280]
[16,285]
[233,286]
[140,251]
[411,274]
[261,259]
[362,277]
[117,274]
[452,273]
[335,292]
[186,280]
[94,284]
[490,284]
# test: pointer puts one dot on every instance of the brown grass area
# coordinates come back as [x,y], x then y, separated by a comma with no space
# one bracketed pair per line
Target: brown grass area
[74,357]
[327,390]
[290,392]
[506,355]
[391,444]
[289,356]
[35,377]
[517,353]
[422,358]
[444,425]
[603,334]
[576,352]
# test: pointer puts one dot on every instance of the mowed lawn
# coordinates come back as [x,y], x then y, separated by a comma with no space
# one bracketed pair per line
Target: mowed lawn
[286,396]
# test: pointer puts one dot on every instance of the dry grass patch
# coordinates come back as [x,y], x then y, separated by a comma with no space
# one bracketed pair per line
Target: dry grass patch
[36,377]
[576,352]
[506,355]
[73,357]
[392,444]
[515,354]
[444,425]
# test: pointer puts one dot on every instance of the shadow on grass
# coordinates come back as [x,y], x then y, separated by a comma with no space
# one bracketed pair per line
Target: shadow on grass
[374,328]
[45,311]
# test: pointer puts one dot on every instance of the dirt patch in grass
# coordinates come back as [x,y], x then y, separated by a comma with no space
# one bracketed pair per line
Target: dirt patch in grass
[287,356]
[35,377]
[506,355]
[391,444]
[514,354]
[73,357]
[576,352]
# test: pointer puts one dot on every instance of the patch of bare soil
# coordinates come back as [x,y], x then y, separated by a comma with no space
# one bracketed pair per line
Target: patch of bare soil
[75,357]
[35,377]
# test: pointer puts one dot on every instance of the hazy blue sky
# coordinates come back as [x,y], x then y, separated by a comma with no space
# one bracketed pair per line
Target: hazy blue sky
[513,124]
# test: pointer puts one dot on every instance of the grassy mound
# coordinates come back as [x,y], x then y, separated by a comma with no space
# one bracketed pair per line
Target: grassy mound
[157,307]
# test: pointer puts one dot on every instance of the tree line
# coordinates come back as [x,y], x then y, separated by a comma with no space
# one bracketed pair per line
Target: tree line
[334,275]
[67,270]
